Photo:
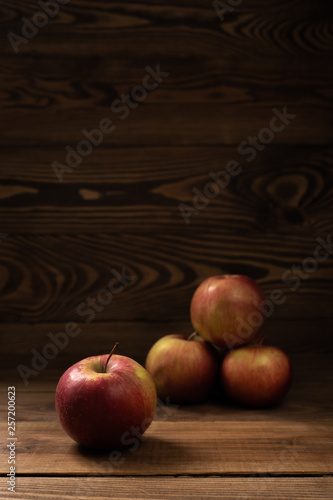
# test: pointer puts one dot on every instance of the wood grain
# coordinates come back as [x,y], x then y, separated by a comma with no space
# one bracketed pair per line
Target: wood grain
[294,30]
[176,124]
[50,278]
[66,83]
[191,109]
[171,448]
[161,488]
[283,190]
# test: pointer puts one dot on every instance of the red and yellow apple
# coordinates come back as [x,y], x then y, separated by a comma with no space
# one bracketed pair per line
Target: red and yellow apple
[225,310]
[256,376]
[103,401]
[184,370]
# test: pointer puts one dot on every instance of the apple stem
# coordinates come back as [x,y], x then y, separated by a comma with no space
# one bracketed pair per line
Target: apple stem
[192,336]
[112,351]
[260,343]
[262,340]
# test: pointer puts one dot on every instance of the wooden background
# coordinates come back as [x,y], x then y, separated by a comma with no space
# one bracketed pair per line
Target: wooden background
[120,207]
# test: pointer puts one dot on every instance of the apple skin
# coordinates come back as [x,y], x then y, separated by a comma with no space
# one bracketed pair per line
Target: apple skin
[99,410]
[184,370]
[222,309]
[256,376]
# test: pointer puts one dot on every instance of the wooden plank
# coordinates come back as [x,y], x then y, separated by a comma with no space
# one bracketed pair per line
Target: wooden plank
[170,448]
[135,339]
[144,165]
[50,278]
[284,189]
[280,29]
[215,80]
[167,124]
[161,488]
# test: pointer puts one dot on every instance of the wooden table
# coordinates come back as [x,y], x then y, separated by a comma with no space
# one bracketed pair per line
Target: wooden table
[213,450]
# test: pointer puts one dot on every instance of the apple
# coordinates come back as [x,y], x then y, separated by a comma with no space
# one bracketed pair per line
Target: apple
[184,370]
[256,376]
[103,401]
[225,310]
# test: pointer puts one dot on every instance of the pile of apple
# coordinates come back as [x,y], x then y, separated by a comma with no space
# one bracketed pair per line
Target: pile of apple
[226,352]
[109,401]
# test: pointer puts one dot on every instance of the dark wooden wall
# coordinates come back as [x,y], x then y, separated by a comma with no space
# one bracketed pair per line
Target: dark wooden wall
[120,206]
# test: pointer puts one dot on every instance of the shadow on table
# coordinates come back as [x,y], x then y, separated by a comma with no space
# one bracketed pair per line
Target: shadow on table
[153,451]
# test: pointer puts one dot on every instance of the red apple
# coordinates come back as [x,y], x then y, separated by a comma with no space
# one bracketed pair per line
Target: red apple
[184,370]
[225,310]
[256,376]
[103,403]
